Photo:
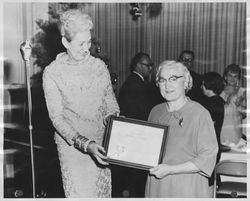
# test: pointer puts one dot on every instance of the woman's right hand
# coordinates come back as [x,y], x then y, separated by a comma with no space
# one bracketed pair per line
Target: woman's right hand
[107,117]
[97,151]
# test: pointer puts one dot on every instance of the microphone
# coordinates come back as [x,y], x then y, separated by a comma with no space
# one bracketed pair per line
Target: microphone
[25,49]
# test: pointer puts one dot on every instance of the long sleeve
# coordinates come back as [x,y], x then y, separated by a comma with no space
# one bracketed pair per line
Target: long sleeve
[55,108]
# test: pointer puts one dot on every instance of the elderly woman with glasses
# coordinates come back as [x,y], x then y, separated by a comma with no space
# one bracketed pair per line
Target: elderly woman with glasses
[79,96]
[191,147]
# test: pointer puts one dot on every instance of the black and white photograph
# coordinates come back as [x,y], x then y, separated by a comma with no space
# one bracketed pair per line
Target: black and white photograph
[124,99]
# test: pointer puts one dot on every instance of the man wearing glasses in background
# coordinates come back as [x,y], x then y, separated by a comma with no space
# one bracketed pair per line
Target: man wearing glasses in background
[136,99]
[187,58]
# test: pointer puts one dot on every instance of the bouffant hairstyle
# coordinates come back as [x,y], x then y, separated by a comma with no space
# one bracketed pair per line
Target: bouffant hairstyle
[186,73]
[73,21]
[213,81]
[234,68]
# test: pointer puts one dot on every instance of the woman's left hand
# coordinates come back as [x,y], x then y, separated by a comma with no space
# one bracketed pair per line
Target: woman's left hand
[160,171]
[164,170]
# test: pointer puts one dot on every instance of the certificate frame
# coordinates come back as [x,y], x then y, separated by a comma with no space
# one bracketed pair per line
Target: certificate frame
[128,142]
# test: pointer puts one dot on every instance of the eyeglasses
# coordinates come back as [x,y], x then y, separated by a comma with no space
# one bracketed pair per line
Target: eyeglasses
[173,79]
[186,59]
[148,65]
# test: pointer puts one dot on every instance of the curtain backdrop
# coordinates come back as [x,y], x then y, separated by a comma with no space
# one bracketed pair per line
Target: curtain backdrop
[19,24]
[216,32]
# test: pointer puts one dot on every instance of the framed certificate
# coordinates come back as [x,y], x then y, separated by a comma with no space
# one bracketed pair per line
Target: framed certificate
[134,143]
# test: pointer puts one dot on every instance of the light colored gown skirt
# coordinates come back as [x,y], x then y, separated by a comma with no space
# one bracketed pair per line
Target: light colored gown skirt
[80,175]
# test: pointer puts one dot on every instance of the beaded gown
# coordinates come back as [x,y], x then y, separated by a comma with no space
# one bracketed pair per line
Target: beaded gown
[231,131]
[79,95]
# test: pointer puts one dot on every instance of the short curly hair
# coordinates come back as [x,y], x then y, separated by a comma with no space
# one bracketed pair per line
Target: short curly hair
[234,68]
[186,73]
[213,81]
[186,52]
[73,21]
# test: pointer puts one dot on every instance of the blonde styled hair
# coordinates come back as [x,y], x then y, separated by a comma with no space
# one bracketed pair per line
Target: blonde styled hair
[74,21]
[186,73]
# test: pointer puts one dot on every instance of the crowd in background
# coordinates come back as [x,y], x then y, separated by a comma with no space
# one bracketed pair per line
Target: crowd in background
[221,95]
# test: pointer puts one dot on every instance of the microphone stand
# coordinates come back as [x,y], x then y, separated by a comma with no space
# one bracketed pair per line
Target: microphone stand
[25,49]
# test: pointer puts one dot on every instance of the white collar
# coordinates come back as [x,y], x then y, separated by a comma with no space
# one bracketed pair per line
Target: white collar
[139,75]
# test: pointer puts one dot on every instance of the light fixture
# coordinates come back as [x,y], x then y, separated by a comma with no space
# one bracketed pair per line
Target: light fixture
[135,11]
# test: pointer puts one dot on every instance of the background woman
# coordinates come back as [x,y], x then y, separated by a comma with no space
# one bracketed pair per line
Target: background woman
[191,146]
[235,97]
[212,86]
[79,95]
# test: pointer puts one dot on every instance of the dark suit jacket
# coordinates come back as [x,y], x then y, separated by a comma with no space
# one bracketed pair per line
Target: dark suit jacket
[135,98]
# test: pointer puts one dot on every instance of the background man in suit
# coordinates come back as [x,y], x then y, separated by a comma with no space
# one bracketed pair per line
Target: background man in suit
[187,58]
[136,99]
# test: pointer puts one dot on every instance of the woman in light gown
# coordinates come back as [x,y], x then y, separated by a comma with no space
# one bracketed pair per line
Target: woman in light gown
[79,96]
[235,107]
